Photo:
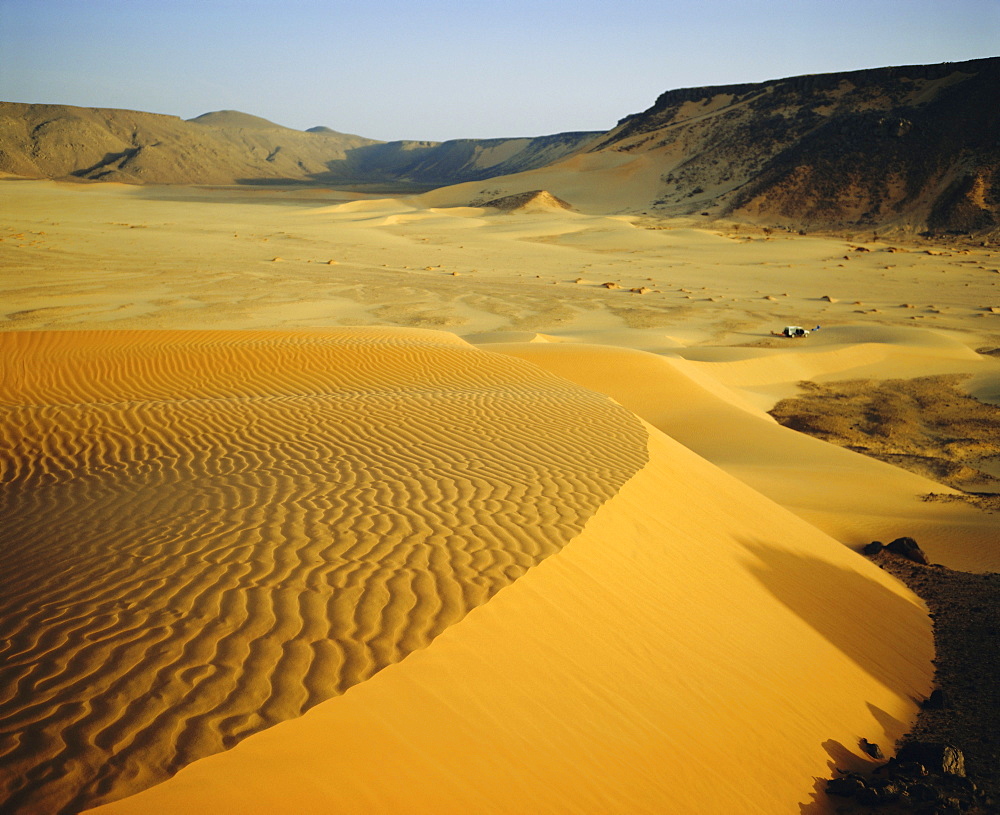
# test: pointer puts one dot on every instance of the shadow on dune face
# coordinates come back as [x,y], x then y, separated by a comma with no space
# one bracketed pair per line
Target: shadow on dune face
[873,626]
[866,621]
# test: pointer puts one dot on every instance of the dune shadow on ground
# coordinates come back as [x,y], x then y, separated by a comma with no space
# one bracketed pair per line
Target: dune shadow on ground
[819,592]
[840,758]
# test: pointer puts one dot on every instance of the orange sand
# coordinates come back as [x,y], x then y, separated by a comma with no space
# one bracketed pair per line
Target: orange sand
[695,650]
[224,507]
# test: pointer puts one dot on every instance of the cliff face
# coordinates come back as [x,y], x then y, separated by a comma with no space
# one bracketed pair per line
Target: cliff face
[909,148]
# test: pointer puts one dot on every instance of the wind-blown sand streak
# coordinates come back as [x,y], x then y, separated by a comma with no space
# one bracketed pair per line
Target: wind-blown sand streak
[208,533]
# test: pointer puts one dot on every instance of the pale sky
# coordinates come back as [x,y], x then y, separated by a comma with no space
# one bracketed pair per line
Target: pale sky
[445,69]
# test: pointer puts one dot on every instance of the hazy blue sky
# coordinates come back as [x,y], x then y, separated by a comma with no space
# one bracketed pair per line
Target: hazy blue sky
[438,69]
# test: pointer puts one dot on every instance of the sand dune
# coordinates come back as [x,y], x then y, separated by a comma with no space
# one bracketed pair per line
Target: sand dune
[640,670]
[207,533]
[854,498]
[216,525]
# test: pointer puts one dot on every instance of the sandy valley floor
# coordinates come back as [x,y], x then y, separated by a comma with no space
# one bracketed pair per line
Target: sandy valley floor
[271,452]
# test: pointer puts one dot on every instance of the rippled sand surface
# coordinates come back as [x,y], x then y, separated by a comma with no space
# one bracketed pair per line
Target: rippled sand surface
[207,533]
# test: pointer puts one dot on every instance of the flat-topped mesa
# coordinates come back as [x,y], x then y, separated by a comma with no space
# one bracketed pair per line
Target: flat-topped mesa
[904,149]
[804,85]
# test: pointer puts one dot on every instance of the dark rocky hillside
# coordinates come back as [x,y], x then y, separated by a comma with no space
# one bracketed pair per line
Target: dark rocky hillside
[909,148]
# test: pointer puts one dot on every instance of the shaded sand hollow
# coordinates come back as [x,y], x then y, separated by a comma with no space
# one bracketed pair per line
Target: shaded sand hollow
[227,506]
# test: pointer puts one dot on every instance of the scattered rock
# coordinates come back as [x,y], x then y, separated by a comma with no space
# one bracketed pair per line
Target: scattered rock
[907,305]
[935,757]
[846,786]
[913,785]
[611,285]
[873,548]
[829,299]
[872,749]
[578,280]
[908,548]
[276,260]
[331,263]
[772,299]
[639,290]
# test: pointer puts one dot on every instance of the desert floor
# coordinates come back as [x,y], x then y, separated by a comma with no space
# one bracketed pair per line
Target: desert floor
[333,484]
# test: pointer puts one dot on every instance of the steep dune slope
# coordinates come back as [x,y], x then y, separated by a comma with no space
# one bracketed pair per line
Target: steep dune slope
[206,533]
[695,650]
[849,496]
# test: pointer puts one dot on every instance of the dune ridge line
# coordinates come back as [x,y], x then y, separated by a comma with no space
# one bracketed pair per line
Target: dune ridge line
[210,532]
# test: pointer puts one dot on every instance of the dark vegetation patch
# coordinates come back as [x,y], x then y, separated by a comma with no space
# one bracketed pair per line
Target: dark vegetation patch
[925,425]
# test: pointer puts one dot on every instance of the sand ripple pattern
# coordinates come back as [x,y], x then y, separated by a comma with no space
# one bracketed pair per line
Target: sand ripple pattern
[206,533]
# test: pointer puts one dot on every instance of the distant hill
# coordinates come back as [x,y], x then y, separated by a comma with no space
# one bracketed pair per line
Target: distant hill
[230,147]
[440,163]
[235,119]
[911,149]
[907,149]
[59,141]
[914,147]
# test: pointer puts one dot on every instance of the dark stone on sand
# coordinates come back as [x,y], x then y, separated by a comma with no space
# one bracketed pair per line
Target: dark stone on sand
[872,749]
[873,548]
[846,786]
[908,548]
[939,758]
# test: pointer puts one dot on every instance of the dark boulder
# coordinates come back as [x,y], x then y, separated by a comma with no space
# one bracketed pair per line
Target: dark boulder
[846,786]
[908,548]
[872,749]
[942,759]
[873,548]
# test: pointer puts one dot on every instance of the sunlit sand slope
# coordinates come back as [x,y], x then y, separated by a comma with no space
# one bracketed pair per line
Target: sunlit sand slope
[206,533]
[852,497]
[696,650]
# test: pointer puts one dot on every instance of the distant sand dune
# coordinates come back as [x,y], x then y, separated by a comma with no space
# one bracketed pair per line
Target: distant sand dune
[849,496]
[208,533]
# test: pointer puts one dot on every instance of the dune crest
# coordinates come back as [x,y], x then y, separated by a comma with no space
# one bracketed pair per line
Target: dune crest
[206,533]
[849,496]
[695,650]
